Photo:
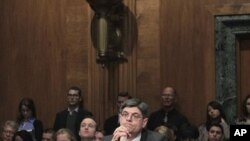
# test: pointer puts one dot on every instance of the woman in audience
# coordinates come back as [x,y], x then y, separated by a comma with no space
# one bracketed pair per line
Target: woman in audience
[22,135]
[215,114]
[65,134]
[8,130]
[88,129]
[27,119]
[245,118]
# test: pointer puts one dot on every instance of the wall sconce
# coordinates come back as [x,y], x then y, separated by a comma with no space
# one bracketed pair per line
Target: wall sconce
[107,30]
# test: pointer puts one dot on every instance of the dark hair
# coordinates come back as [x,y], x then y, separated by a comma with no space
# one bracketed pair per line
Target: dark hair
[90,117]
[77,89]
[124,94]
[217,125]
[244,108]
[215,105]
[25,135]
[29,103]
[189,132]
[135,102]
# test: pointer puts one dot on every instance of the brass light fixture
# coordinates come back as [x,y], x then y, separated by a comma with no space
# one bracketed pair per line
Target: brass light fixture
[107,30]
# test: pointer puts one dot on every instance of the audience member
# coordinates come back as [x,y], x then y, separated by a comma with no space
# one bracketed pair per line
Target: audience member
[48,134]
[215,115]
[27,119]
[166,131]
[189,133]
[245,118]
[215,132]
[133,118]
[8,130]
[112,123]
[168,114]
[99,135]
[88,128]
[64,134]
[22,135]
[72,116]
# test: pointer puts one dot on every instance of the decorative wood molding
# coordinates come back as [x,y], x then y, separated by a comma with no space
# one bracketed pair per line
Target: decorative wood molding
[229,9]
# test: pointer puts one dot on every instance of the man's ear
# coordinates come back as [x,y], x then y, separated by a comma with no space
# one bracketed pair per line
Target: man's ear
[145,121]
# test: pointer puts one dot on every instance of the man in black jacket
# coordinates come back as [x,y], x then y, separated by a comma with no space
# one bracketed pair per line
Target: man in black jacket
[133,118]
[72,116]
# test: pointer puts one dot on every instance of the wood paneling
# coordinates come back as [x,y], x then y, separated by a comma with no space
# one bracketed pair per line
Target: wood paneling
[45,48]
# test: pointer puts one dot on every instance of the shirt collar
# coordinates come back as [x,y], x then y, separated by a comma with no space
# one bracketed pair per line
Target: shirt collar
[75,110]
[137,138]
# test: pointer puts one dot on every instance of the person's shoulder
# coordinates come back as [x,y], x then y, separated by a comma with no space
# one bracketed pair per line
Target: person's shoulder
[107,138]
[85,112]
[152,135]
[159,111]
[112,118]
[65,111]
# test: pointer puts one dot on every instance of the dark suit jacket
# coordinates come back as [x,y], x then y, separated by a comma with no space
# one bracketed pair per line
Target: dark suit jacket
[111,124]
[61,118]
[146,135]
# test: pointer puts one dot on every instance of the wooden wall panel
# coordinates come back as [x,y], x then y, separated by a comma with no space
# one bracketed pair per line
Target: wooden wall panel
[188,52]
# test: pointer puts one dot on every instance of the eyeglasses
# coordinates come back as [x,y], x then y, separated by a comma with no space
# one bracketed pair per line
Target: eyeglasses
[73,95]
[133,116]
[167,95]
[8,132]
[88,125]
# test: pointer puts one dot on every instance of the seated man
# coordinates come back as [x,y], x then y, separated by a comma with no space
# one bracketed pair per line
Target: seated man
[48,134]
[133,119]
[8,130]
[215,132]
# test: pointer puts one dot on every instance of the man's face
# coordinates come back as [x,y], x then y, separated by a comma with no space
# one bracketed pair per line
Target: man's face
[73,98]
[7,133]
[214,134]
[120,100]
[87,128]
[47,137]
[168,97]
[132,119]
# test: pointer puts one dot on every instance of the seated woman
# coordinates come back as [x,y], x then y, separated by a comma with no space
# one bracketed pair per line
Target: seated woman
[215,114]
[8,130]
[244,119]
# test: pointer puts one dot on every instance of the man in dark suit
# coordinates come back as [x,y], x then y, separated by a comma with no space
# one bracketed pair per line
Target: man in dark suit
[133,118]
[168,114]
[112,122]
[72,116]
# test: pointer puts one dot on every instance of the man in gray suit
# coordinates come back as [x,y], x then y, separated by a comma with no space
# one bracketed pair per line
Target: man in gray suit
[133,118]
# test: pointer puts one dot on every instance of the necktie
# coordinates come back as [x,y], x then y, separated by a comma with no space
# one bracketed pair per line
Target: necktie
[166,118]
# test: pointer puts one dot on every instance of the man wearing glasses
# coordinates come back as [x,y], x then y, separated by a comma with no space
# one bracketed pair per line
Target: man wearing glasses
[133,118]
[72,116]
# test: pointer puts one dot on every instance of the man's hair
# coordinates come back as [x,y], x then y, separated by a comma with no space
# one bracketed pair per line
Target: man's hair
[216,125]
[135,102]
[49,130]
[10,123]
[124,94]
[77,89]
